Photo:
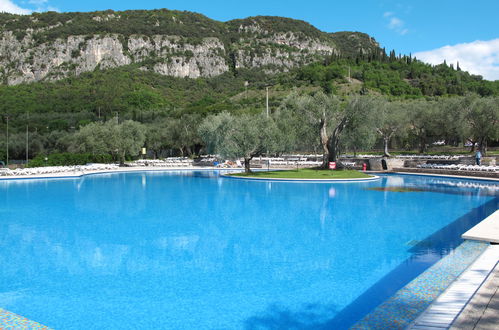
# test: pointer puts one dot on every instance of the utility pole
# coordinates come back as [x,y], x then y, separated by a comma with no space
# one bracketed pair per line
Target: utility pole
[267,101]
[27,138]
[7,160]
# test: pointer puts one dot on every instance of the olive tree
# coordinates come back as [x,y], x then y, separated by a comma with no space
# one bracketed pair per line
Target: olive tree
[111,137]
[481,118]
[389,119]
[422,123]
[245,136]
[328,117]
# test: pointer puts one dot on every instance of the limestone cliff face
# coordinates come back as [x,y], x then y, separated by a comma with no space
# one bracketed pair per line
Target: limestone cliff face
[23,61]
[169,43]
[278,51]
[175,57]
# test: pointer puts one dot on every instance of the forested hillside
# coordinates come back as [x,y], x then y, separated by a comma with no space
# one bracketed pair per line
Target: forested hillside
[257,55]
[51,46]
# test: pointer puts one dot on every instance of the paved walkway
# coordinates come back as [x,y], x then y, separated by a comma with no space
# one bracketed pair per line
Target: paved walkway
[482,312]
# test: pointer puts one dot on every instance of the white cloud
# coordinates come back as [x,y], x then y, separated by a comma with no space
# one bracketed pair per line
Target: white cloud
[37,2]
[395,23]
[7,6]
[477,57]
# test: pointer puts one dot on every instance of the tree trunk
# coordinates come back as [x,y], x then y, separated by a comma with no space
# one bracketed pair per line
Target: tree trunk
[122,159]
[247,161]
[386,141]
[422,144]
[482,146]
[324,144]
[334,143]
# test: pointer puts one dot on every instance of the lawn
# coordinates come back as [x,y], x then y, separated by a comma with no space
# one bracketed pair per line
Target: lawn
[306,173]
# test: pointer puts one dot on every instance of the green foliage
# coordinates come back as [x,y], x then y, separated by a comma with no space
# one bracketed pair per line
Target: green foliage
[245,136]
[353,44]
[51,25]
[481,117]
[66,158]
[172,108]
[401,77]
[116,139]
[276,24]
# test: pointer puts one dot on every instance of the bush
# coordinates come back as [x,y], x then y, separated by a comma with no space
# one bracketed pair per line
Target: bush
[61,159]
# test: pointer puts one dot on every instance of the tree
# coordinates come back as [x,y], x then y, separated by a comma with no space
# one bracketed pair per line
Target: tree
[119,140]
[324,115]
[449,121]
[182,133]
[359,132]
[388,120]
[422,116]
[245,136]
[127,138]
[481,116]
[328,118]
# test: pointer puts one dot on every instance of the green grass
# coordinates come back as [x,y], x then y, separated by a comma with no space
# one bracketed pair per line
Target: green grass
[306,173]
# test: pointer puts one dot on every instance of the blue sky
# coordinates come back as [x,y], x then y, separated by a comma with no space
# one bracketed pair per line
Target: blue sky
[422,27]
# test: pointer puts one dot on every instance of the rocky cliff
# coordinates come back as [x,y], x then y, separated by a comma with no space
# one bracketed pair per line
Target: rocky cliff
[51,46]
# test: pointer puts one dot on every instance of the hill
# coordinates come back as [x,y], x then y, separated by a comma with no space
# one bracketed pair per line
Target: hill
[52,46]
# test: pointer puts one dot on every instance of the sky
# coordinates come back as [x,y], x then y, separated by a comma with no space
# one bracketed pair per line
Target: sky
[432,30]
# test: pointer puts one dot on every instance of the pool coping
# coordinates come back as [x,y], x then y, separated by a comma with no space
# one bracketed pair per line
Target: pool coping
[486,230]
[81,173]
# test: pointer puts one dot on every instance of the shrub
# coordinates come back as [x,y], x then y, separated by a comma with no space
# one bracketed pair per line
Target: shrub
[62,159]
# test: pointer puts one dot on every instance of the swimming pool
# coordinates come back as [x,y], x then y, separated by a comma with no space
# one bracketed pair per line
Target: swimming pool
[190,249]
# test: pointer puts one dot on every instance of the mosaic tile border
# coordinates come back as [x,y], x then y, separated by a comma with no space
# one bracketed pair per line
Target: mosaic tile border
[11,321]
[408,303]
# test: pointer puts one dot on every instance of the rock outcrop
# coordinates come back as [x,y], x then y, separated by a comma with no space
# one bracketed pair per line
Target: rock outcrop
[59,49]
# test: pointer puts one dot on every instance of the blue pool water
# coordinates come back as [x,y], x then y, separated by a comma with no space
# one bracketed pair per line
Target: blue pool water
[193,250]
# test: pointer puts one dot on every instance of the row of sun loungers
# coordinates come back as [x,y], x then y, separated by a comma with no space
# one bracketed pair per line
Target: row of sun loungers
[430,157]
[57,169]
[460,167]
[168,162]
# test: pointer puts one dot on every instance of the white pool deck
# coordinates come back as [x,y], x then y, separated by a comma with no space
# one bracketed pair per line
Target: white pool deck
[487,230]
